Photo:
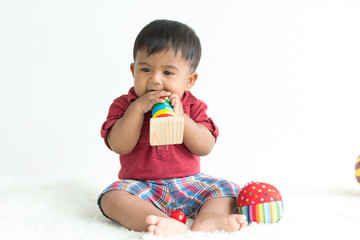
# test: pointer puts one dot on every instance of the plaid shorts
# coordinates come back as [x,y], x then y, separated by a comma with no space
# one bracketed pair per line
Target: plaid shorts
[186,194]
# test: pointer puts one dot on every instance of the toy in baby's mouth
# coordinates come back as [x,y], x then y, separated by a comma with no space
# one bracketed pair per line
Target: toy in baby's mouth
[260,202]
[165,127]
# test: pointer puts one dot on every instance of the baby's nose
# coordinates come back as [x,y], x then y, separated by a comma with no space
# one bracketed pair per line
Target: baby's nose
[156,78]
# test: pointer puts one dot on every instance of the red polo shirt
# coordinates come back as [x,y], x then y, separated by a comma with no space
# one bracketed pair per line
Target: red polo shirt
[147,162]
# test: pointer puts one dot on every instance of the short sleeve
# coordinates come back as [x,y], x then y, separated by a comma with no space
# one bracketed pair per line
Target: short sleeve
[116,111]
[198,114]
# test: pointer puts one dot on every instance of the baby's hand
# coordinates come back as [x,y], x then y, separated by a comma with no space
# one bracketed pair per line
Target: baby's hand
[176,104]
[149,99]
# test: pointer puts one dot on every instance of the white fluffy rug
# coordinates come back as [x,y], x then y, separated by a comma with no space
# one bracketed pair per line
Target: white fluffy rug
[68,210]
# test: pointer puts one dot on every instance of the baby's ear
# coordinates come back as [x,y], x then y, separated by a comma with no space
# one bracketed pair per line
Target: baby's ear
[191,80]
[132,68]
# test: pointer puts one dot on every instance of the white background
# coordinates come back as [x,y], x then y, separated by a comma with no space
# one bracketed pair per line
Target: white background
[281,79]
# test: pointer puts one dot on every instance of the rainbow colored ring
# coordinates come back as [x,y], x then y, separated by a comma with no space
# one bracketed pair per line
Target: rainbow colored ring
[163,110]
[161,107]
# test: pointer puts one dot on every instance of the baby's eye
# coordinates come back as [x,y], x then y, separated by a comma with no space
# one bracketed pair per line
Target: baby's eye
[145,70]
[168,73]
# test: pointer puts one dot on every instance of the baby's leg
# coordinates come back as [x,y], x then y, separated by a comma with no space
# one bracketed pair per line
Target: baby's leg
[137,214]
[216,214]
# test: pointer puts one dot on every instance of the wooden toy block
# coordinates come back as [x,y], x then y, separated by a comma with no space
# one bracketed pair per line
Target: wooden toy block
[166,130]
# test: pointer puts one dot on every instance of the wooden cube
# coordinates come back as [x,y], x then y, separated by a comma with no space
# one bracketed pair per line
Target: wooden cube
[166,130]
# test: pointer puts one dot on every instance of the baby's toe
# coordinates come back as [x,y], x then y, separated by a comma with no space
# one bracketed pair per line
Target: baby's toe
[152,220]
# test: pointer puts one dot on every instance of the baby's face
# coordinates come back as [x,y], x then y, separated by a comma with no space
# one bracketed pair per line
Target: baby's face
[162,71]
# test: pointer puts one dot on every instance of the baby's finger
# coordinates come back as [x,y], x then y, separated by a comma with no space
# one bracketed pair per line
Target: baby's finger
[164,94]
[174,99]
[158,97]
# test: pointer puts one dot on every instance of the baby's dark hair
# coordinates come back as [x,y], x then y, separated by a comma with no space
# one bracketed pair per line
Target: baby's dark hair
[164,35]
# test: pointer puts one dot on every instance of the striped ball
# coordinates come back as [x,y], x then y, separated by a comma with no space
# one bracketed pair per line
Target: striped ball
[260,202]
[357,170]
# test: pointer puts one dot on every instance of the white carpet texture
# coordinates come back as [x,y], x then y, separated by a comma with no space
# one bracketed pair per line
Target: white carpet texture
[68,210]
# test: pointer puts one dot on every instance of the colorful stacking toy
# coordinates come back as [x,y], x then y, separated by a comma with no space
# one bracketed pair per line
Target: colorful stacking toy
[163,110]
[260,202]
[357,170]
[165,127]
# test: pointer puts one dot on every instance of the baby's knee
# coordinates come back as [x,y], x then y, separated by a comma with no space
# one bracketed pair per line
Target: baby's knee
[110,200]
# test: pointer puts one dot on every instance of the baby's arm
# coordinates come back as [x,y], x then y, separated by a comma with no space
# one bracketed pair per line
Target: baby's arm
[125,133]
[197,138]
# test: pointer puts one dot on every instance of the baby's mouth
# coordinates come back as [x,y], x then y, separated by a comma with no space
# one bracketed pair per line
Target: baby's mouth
[152,90]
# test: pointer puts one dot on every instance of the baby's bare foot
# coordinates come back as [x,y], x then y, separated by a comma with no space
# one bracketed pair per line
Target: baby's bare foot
[165,227]
[211,223]
[235,222]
